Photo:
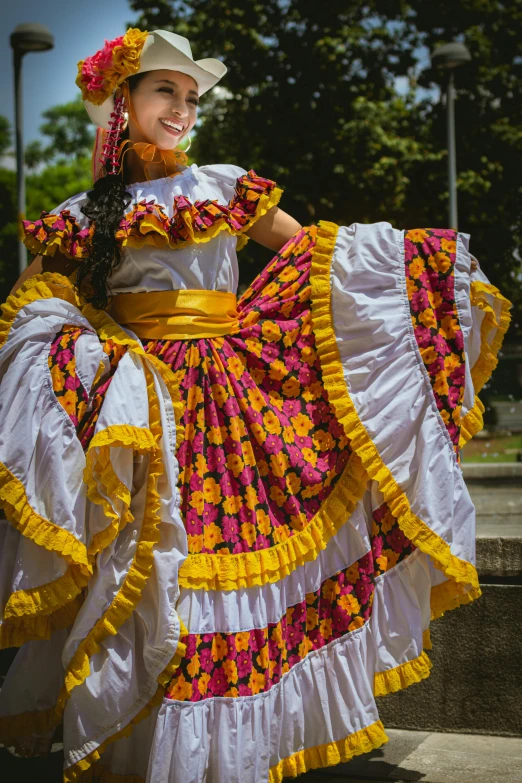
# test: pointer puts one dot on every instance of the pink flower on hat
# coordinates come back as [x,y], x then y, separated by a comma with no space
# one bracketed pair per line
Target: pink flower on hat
[100,74]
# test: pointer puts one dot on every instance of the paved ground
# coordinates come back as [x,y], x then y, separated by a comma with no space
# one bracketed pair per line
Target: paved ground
[428,757]
[431,757]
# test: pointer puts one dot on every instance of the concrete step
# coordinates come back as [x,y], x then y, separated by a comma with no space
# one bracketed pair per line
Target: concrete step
[496,491]
[431,757]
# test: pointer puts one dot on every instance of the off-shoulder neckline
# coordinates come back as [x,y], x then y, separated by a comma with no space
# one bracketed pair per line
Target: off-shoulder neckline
[151,182]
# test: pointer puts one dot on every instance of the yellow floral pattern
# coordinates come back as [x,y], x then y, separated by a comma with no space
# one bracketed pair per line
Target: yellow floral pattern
[430,256]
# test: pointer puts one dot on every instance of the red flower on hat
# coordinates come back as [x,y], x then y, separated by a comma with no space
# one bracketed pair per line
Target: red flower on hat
[100,74]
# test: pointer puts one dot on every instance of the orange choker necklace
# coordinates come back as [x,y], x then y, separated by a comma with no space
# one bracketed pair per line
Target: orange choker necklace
[150,153]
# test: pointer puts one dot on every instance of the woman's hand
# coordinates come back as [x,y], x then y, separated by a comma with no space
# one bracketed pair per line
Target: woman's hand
[474,264]
[274,229]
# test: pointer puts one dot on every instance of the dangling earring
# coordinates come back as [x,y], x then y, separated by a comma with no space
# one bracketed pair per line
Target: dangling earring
[125,121]
[185,149]
[110,153]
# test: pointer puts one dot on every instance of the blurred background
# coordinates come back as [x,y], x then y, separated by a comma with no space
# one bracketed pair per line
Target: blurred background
[342,103]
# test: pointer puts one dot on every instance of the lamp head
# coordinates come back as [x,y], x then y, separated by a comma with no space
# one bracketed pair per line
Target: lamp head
[31,37]
[449,56]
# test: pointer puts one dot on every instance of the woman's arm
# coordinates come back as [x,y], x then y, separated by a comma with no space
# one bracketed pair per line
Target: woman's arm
[274,229]
[57,263]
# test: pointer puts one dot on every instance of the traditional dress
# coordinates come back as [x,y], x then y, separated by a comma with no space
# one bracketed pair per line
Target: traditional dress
[230,522]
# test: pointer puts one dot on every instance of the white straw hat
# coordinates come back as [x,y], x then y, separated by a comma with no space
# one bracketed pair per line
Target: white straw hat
[139,53]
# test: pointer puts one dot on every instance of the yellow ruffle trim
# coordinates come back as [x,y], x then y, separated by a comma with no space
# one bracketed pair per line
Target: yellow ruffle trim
[53,284]
[36,612]
[50,598]
[333,377]
[444,597]
[100,472]
[18,630]
[483,368]
[46,534]
[151,229]
[402,676]
[127,597]
[330,754]
[84,770]
[450,595]
[231,572]
[47,286]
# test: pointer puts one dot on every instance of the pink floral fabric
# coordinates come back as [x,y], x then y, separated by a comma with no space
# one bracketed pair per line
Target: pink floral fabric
[262,448]
[430,279]
[250,662]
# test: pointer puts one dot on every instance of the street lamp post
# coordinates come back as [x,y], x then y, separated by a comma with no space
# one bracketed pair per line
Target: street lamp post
[24,38]
[448,57]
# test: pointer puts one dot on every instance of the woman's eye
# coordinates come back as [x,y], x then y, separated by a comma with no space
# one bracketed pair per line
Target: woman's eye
[171,92]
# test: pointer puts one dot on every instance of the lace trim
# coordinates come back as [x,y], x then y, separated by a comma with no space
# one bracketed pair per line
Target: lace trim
[130,592]
[214,572]
[100,472]
[19,630]
[148,224]
[450,595]
[402,676]
[414,528]
[34,613]
[330,754]
[488,358]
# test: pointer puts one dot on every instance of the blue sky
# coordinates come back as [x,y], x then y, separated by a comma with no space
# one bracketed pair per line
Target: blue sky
[48,77]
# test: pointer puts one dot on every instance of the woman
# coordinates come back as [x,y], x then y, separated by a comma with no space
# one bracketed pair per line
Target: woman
[229,522]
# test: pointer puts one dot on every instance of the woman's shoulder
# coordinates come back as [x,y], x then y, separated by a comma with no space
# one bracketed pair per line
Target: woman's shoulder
[222,172]
[74,204]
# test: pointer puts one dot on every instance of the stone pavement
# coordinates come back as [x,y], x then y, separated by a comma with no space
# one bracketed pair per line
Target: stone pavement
[431,757]
[427,757]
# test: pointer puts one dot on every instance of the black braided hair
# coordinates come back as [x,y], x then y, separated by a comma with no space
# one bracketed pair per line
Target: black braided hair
[108,201]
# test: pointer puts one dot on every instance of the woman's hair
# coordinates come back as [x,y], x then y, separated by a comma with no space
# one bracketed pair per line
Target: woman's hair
[106,206]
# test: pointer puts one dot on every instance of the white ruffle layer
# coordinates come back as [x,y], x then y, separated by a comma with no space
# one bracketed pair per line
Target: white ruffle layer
[389,385]
[323,699]
[38,444]
[230,611]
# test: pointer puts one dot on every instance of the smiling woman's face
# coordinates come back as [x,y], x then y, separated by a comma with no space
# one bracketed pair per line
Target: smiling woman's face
[165,104]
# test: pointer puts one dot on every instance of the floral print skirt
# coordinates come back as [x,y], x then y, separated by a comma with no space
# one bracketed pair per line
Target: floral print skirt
[263,452]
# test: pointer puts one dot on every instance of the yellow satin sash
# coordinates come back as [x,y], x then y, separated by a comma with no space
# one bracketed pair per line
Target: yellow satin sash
[176,315]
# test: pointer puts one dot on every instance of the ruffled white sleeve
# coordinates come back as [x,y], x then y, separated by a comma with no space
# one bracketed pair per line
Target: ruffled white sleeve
[66,229]
[247,195]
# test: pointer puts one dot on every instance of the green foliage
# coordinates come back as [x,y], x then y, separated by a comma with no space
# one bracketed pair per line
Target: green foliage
[5,135]
[310,100]
[70,134]
[56,183]
[59,170]
[8,232]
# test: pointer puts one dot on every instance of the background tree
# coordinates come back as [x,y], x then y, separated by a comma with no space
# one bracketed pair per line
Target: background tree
[310,100]
[58,167]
